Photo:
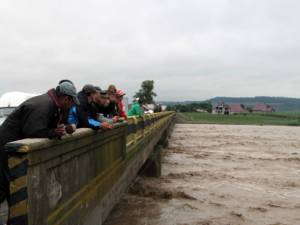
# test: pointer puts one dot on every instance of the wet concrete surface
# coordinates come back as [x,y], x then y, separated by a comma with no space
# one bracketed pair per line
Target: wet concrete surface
[220,175]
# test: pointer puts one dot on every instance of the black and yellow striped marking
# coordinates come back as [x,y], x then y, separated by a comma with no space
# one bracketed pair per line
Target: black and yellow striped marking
[18,164]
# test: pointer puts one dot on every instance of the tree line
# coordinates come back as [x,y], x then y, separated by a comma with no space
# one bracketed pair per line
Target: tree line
[191,107]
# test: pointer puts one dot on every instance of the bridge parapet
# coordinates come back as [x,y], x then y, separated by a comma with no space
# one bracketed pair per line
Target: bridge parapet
[77,180]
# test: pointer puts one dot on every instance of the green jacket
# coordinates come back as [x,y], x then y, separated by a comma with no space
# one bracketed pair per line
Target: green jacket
[135,110]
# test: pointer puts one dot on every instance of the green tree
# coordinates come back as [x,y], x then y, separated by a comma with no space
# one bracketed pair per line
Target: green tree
[146,92]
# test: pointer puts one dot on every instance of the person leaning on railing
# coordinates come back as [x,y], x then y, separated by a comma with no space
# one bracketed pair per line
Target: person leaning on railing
[85,114]
[38,117]
[101,103]
[136,109]
[120,104]
[109,110]
[116,105]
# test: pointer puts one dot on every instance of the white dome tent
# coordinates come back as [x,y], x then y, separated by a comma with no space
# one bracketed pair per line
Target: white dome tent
[11,100]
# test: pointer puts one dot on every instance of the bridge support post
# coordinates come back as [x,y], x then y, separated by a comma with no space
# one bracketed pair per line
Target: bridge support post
[152,167]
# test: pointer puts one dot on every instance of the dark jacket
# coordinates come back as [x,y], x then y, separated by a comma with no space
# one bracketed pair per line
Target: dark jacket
[109,111]
[35,118]
[85,111]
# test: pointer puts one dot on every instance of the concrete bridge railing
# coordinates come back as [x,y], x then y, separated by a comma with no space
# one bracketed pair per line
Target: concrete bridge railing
[78,180]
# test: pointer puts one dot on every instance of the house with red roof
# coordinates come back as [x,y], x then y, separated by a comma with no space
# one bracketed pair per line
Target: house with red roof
[263,108]
[237,108]
[226,109]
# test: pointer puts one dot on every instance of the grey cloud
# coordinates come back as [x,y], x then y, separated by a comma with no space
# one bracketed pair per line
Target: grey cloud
[192,49]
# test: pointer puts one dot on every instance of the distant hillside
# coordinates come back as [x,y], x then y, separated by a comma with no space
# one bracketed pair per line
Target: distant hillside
[281,104]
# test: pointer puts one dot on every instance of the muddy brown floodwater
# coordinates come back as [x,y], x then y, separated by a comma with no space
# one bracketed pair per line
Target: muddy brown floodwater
[220,175]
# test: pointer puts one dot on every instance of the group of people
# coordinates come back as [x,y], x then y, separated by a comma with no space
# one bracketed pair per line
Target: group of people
[58,112]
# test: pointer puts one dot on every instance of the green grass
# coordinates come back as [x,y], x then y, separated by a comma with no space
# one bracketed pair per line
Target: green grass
[290,119]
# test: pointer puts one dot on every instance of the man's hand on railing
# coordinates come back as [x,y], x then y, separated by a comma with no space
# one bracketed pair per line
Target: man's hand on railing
[106,126]
[70,128]
[115,119]
[60,130]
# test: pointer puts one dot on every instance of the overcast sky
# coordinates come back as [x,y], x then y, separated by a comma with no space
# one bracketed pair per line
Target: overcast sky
[192,49]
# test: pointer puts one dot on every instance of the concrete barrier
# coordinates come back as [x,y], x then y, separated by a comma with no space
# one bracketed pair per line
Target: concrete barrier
[78,180]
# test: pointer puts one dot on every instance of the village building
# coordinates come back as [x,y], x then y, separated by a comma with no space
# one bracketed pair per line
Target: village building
[221,108]
[226,109]
[237,108]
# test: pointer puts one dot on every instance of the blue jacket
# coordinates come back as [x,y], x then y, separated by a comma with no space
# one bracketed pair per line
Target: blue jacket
[74,119]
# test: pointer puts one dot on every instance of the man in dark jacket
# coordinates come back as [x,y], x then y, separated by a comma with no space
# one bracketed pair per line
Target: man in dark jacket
[85,110]
[101,103]
[110,110]
[38,117]
[86,114]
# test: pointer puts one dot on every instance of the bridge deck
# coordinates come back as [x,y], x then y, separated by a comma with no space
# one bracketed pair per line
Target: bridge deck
[77,180]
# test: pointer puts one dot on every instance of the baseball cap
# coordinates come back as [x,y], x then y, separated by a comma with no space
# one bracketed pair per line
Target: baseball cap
[103,92]
[68,88]
[89,88]
[120,93]
[98,88]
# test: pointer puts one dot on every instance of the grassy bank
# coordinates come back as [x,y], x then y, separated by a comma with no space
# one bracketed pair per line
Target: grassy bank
[290,119]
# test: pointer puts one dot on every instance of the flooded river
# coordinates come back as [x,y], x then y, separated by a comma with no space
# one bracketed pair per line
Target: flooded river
[220,175]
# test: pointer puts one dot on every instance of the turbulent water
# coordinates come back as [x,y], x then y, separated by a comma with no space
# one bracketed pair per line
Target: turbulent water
[220,175]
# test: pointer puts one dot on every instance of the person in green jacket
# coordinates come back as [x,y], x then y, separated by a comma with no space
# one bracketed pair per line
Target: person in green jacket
[136,109]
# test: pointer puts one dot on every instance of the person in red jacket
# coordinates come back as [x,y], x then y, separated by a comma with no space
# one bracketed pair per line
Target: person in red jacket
[120,104]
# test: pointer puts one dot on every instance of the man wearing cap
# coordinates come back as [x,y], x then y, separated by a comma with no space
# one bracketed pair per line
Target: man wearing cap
[38,117]
[101,103]
[110,110]
[86,114]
